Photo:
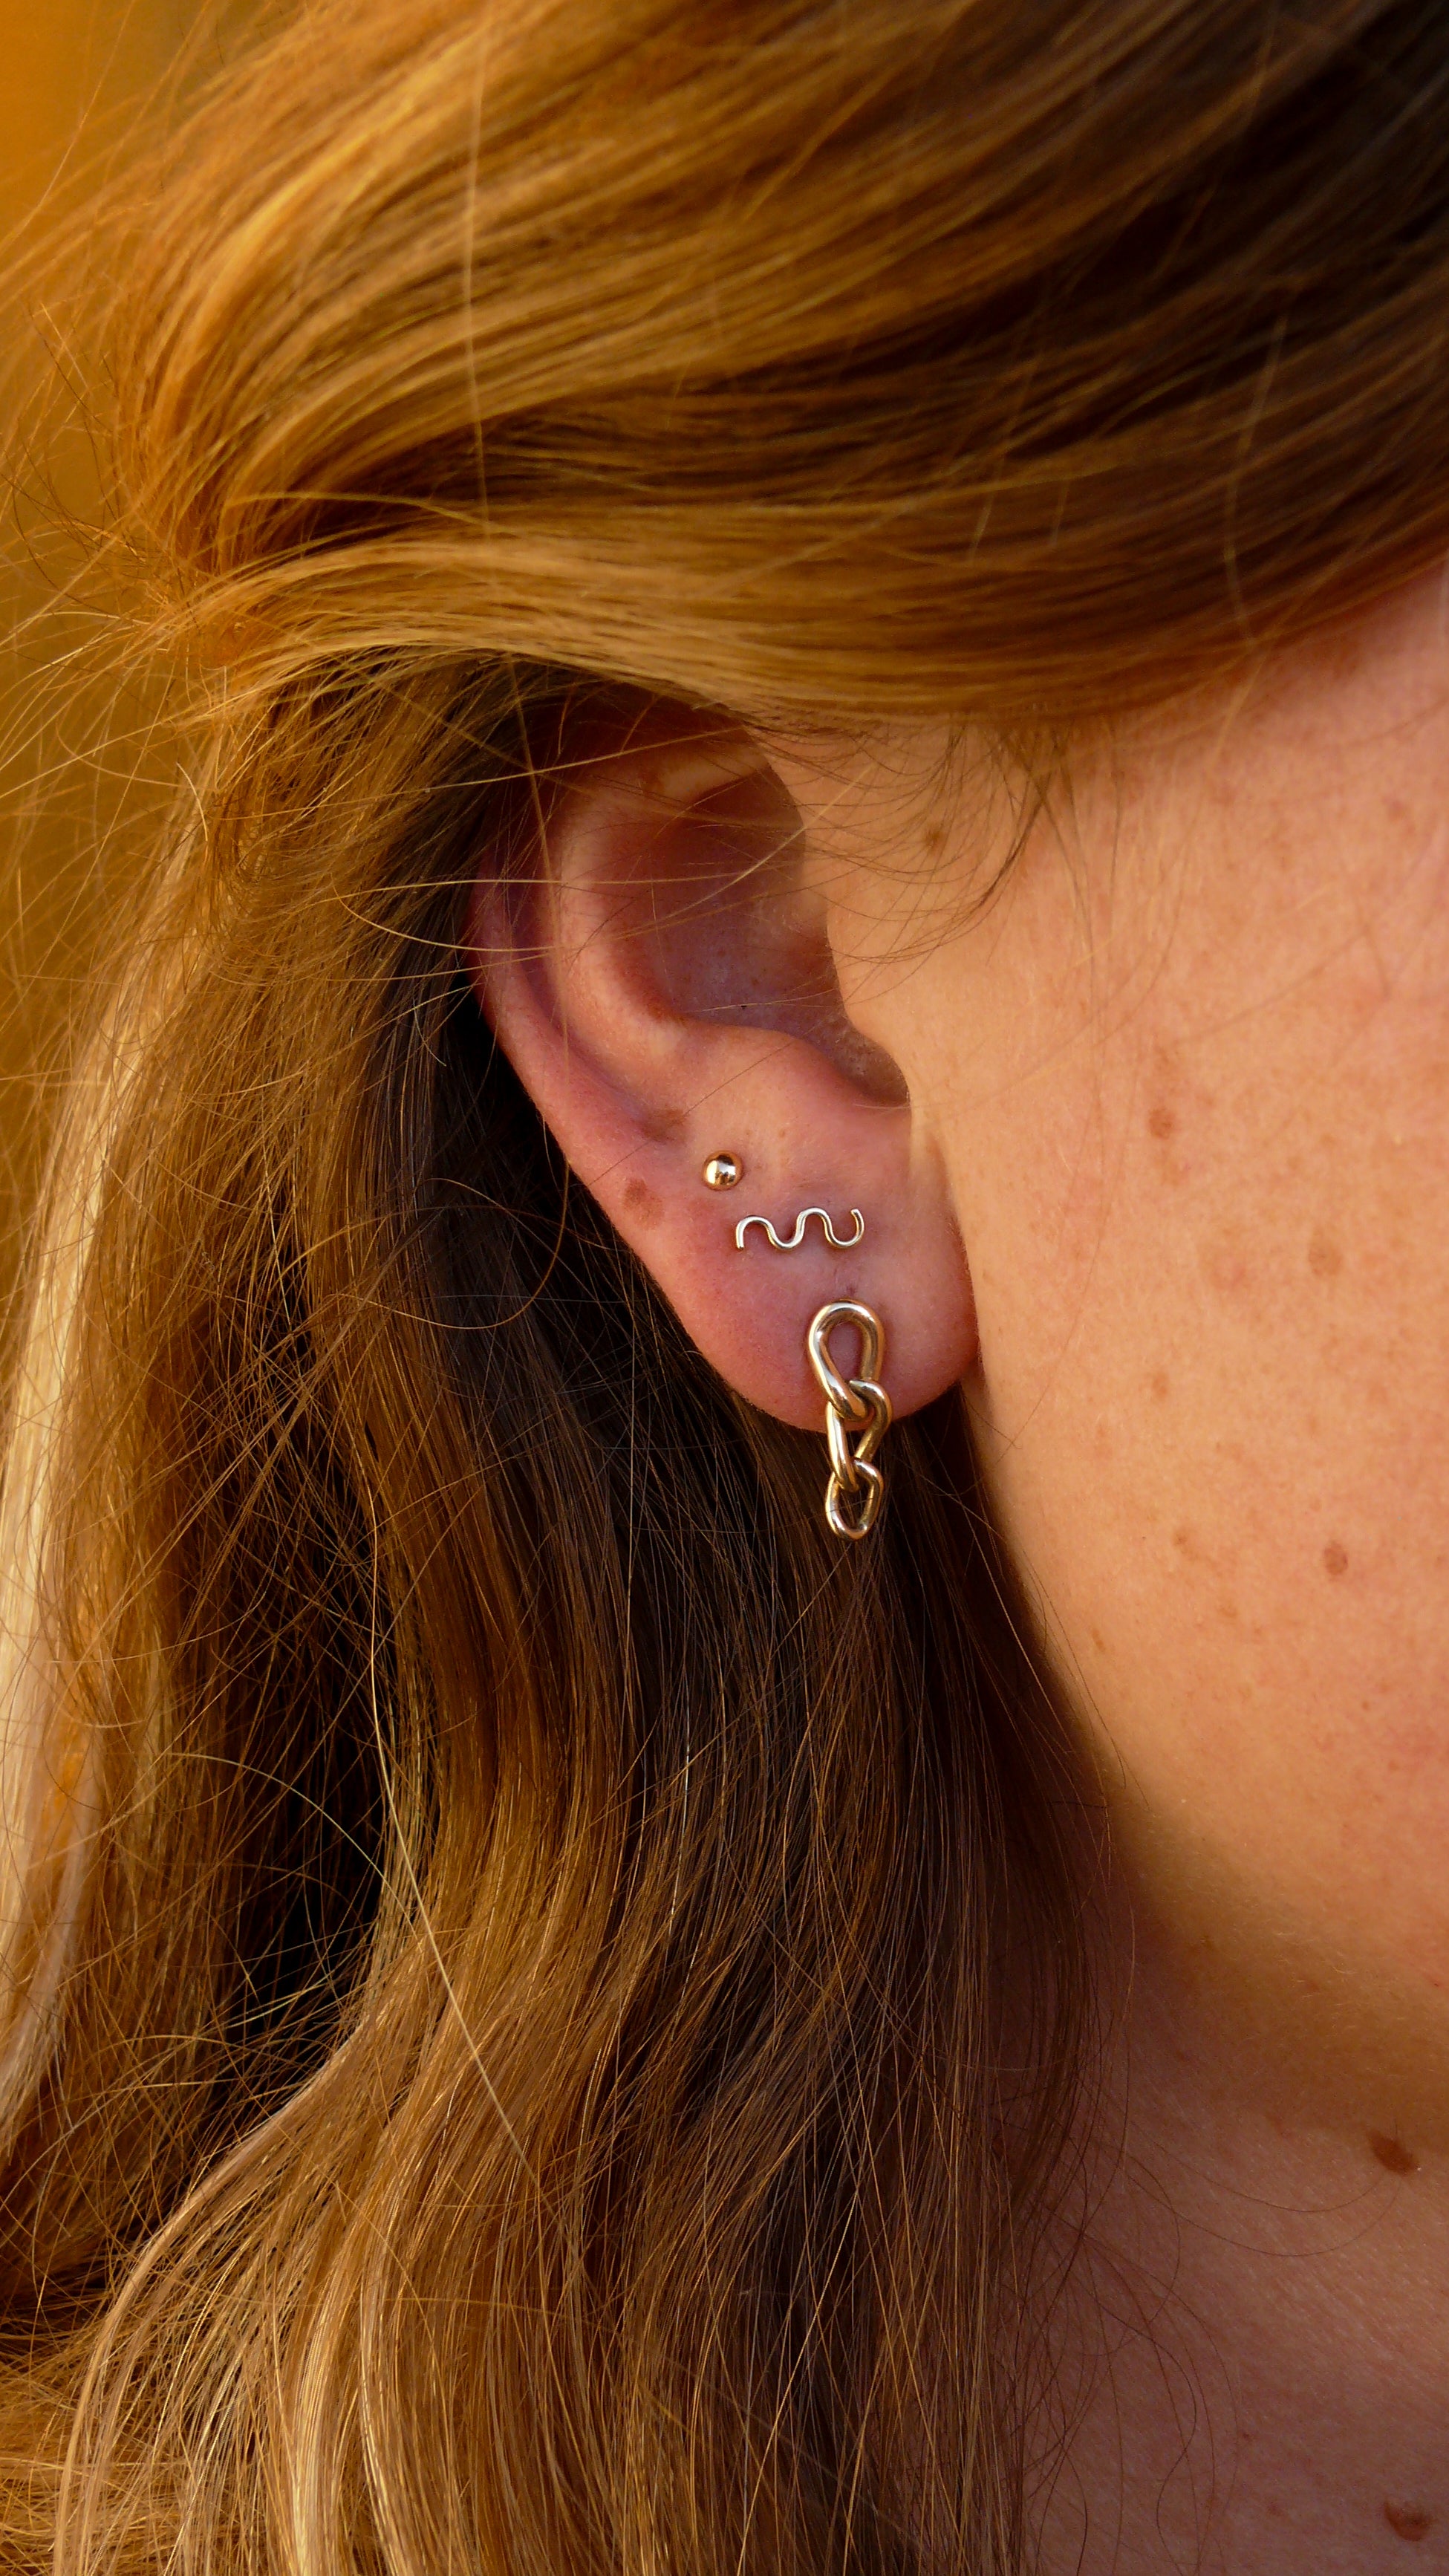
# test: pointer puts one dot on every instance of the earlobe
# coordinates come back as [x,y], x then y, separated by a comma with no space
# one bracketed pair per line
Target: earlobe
[666,990]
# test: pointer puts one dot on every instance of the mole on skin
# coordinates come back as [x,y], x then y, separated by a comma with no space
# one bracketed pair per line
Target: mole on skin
[1409,2520]
[1392,2153]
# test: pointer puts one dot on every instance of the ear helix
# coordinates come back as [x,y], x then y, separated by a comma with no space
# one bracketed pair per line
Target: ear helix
[857,1409]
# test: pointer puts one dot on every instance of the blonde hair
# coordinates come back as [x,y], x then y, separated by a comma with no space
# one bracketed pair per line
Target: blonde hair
[508,1926]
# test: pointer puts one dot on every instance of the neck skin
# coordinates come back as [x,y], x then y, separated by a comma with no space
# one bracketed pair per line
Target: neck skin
[1252,2356]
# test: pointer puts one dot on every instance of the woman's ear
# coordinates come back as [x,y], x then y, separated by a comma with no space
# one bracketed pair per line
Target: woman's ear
[665,987]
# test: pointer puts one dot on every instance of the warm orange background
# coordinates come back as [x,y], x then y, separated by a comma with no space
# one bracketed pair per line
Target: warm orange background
[76,76]
[70,67]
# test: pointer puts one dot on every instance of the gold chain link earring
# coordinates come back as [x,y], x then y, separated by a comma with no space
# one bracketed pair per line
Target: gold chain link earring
[857,1417]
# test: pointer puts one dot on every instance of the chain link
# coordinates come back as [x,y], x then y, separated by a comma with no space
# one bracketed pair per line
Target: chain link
[857,1418]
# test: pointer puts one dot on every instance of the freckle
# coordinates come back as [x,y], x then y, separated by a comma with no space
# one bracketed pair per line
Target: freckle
[1162,1121]
[641,1202]
[1158,1384]
[1225,1267]
[1324,1257]
[1335,1560]
[1410,2521]
[1182,1538]
[1392,2154]
[1099,1642]
[662,1126]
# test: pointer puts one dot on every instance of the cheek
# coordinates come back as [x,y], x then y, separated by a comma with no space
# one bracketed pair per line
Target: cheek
[1208,1236]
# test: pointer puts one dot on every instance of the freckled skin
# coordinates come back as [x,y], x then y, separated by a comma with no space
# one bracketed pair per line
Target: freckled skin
[1325,1260]
[1238,964]
[642,1202]
[1188,1072]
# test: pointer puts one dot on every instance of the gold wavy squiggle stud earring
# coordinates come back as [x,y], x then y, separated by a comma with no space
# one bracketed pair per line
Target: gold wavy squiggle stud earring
[792,1242]
[857,1418]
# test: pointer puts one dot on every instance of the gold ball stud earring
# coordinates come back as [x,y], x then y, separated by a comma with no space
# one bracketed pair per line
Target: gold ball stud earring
[722,1171]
